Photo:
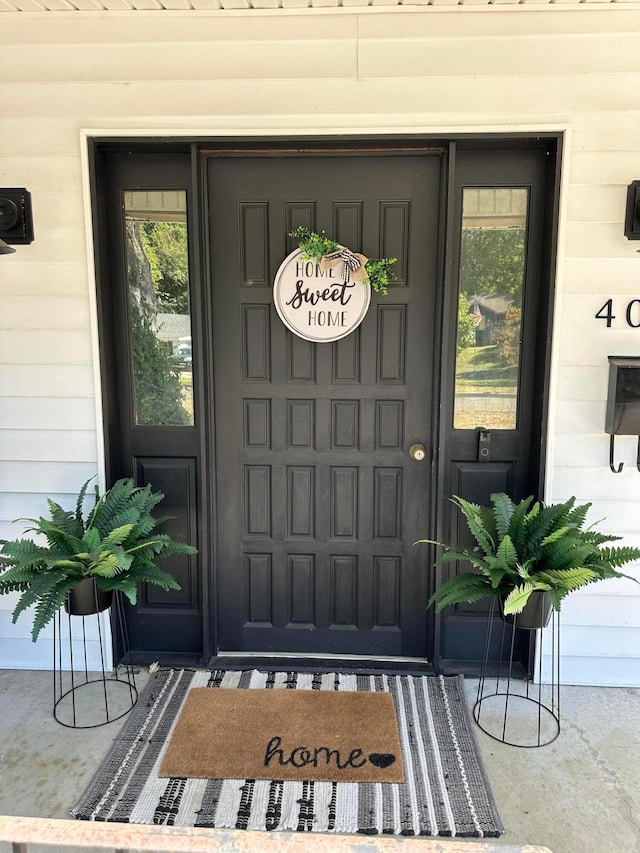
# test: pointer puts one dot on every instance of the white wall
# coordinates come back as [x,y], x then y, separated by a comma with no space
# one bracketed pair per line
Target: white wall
[438,69]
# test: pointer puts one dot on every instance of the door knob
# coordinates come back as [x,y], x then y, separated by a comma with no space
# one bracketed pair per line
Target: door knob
[417,452]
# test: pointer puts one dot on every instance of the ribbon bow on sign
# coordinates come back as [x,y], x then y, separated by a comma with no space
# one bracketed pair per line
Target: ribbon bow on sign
[353,264]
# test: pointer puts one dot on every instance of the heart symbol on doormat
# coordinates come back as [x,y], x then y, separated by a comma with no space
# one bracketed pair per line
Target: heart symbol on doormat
[382,759]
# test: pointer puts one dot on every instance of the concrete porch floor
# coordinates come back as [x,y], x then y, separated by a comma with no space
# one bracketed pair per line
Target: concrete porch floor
[580,794]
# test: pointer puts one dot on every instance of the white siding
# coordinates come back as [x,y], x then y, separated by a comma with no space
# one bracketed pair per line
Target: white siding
[464,69]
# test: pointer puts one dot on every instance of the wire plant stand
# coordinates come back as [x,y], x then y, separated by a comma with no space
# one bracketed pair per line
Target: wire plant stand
[87,692]
[519,712]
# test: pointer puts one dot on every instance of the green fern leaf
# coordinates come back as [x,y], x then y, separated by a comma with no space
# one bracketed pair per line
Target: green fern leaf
[517,598]
[507,552]
[153,574]
[524,570]
[62,519]
[12,586]
[519,519]
[595,538]
[568,579]
[18,574]
[458,557]
[106,566]
[27,599]
[557,554]
[20,551]
[542,525]
[476,524]
[555,535]
[91,540]
[576,558]
[462,588]
[503,509]
[171,548]
[48,606]
[117,536]
[556,596]
[577,516]
[62,540]
[80,503]
[145,525]
[113,502]
[517,525]
[614,557]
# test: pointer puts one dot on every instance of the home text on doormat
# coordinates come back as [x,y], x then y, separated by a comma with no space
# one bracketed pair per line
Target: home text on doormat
[286,734]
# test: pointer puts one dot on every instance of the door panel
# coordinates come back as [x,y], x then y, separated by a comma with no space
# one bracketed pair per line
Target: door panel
[318,502]
[154,428]
[500,369]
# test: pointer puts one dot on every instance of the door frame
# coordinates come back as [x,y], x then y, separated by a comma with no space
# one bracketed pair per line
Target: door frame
[198,150]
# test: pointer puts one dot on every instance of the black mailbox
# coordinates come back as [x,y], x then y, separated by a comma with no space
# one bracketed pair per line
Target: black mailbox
[623,402]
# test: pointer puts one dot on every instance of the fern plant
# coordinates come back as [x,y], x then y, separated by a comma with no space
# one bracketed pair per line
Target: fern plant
[526,547]
[116,544]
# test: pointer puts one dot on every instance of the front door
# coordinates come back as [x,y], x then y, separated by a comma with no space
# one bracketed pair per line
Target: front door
[287,462]
[318,500]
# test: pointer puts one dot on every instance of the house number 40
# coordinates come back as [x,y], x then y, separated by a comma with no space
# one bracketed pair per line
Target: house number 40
[632,313]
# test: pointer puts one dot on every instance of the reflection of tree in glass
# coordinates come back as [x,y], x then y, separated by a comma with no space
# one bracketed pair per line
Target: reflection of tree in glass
[507,336]
[165,245]
[142,294]
[492,261]
[466,324]
[158,392]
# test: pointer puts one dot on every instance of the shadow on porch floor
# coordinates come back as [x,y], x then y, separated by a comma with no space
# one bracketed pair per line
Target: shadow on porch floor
[581,794]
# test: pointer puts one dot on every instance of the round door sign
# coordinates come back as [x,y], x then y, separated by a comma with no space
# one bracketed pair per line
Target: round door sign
[318,305]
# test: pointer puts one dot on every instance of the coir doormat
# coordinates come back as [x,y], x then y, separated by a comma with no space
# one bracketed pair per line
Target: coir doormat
[323,735]
[445,790]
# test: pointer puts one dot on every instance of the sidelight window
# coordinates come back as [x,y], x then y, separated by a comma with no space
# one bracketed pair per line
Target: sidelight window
[490,301]
[157,269]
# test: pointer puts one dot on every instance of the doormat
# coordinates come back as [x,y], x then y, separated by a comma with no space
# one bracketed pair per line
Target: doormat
[445,791]
[323,735]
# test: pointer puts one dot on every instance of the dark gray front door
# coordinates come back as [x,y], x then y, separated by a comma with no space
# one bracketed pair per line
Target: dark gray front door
[319,503]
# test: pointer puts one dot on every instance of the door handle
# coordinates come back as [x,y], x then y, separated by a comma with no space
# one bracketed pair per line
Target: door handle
[418,452]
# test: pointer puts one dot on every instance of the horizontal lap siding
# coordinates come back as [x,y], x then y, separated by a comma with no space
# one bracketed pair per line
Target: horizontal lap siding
[451,97]
[462,69]
[601,625]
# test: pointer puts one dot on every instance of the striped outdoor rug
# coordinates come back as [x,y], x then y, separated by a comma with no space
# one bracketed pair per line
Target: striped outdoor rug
[445,791]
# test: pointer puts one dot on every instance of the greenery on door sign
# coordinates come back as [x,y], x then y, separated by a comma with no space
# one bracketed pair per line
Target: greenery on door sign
[528,546]
[115,544]
[317,246]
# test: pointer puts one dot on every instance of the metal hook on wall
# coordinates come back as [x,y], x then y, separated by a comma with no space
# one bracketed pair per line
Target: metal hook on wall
[621,465]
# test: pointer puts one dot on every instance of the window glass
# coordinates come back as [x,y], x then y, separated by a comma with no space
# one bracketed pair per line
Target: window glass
[490,298]
[159,313]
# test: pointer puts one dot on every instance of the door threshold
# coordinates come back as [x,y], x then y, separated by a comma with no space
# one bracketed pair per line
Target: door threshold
[279,662]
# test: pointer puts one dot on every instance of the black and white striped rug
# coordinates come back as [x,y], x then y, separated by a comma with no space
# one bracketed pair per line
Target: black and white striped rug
[445,791]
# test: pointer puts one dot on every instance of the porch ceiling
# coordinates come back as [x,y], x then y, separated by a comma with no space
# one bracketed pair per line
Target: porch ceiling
[199,6]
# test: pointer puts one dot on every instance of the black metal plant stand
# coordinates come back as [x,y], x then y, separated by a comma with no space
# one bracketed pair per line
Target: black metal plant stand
[515,711]
[85,698]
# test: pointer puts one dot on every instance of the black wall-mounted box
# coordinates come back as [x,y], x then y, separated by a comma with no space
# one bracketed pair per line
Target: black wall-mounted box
[16,218]
[623,398]
[632,212]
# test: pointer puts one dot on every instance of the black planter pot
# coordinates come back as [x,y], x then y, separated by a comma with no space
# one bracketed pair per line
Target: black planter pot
[85,599]
[536,612]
